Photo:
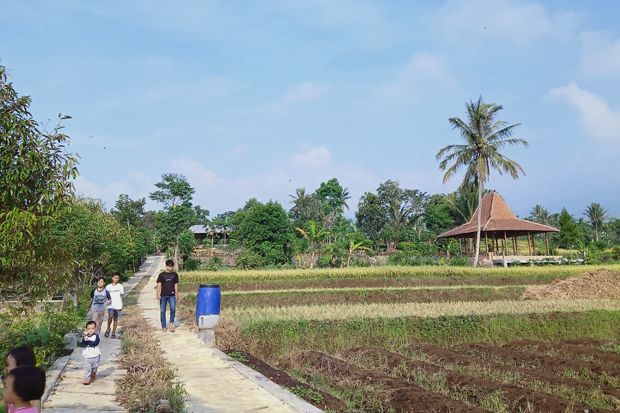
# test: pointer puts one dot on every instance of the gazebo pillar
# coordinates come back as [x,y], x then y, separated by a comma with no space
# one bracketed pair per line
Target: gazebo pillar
[529,244]
[486,243]
[514,246]
[547,243]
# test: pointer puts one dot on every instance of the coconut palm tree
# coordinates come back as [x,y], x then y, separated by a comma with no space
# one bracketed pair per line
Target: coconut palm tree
[540,214]
[484,137]
[596,214]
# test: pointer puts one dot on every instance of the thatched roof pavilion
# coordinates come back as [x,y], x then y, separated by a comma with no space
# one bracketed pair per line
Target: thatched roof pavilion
[498,222]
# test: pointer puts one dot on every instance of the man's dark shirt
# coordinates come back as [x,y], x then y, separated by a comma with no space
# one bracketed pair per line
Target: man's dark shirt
[168,280]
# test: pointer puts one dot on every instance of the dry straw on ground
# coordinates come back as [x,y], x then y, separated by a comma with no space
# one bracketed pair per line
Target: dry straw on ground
[599,284]
[390,310]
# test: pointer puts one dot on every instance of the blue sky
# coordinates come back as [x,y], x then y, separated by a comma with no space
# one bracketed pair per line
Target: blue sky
[255,99]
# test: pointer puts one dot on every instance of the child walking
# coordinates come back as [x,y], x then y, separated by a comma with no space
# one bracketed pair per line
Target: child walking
[23,385]
[91,352]
[100,298]
[117,292]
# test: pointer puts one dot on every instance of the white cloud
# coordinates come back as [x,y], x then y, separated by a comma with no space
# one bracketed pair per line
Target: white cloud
[598,119]
[601,54]
[520,22]
[421,71]
[194,171]
[312,158]
[306,91]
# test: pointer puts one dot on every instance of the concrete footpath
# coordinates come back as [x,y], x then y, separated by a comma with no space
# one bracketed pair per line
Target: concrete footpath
[214,382]
[65,391]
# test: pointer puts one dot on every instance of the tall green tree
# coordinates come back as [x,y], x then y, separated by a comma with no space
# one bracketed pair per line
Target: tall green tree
[176,193]
[173,189]
[484,138]
[570,232]
[128,211]
[371,217]
[596,215]
[36,175]
[265,230]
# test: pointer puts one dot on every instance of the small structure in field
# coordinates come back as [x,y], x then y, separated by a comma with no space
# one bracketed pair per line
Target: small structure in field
[499,228]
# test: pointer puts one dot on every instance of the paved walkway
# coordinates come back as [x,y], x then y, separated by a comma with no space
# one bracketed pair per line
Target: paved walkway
[68,394]
[214,382]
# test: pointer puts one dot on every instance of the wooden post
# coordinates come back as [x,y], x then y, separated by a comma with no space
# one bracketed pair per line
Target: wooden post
[505,247]
[547,243]
[486,243]
[529,243]
[495,246]
[514,245]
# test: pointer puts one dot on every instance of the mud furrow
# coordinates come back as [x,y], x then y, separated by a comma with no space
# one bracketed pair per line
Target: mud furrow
[517,398]
[541,361]
[397,393]
[565,348]
[444,355]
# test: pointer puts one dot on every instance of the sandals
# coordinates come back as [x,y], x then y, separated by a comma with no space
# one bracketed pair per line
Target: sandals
[107,333]
[113,336]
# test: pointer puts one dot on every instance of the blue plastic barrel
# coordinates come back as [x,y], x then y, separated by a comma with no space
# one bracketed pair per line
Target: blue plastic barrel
[208,300]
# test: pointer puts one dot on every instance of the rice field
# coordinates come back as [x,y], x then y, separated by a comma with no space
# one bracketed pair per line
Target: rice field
[421,339]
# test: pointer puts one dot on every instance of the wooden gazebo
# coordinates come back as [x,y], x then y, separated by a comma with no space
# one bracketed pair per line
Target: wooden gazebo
[498,223]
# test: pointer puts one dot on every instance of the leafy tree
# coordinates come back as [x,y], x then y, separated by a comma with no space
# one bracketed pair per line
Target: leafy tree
[174,189]
[463,202]
[570,233]
[306,207]
[596,215]
[265,230]
[484,138]
[128,211]
[334,196]
[401,206]
[36,174]
[202,215]
[171,223]
[371,217]
[437,216]
[315,236]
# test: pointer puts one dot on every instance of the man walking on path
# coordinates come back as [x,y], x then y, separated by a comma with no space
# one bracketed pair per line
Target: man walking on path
[117,292]
[168,293]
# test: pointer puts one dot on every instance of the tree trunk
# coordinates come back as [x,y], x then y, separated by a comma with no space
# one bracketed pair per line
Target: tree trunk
[477,256]
[176,255]
[596,231]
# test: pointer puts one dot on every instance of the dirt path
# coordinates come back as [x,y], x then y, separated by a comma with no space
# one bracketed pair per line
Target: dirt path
[67,393]
[214,382]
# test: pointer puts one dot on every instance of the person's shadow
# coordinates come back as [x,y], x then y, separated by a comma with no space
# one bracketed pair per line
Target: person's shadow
[105,373]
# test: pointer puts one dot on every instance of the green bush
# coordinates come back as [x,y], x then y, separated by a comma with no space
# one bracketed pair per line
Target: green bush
[191,264]
[248,259]
[44,332]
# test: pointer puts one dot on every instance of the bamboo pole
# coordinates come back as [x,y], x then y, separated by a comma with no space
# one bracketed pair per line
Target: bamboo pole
[547,243]
[529,244]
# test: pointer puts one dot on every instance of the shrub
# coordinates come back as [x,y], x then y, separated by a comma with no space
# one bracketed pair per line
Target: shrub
[191,264]
[249,259]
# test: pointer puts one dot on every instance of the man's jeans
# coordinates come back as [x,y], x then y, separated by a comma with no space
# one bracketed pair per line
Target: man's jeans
[165,299]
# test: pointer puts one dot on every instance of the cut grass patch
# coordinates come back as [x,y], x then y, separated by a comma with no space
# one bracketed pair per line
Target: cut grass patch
[150,378]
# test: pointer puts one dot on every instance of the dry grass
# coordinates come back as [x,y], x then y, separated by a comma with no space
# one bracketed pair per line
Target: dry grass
[437,309]
[390,271]
[150,378]
[602,284]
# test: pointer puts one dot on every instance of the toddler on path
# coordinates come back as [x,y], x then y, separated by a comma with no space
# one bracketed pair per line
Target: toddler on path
[91,353]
